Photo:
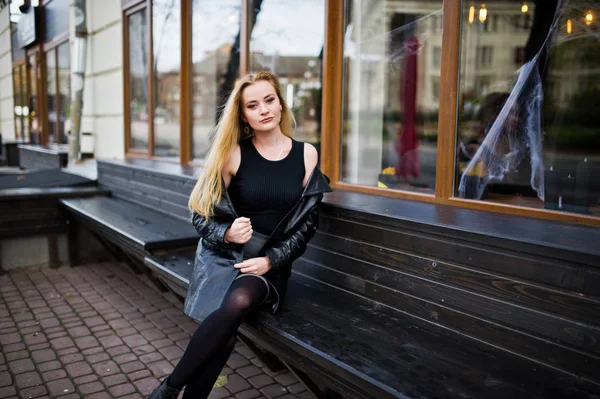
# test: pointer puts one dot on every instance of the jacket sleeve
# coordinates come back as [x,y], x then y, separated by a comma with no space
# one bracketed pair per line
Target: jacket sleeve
[212,230]
[290,249]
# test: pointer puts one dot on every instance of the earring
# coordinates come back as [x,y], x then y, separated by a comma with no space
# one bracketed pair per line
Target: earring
[247,129]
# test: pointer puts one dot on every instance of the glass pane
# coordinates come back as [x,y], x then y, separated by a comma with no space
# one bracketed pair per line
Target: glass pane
[166,36]
[287,39]
[392,60]
[64,91]
[51,96]
[20,104]
[138,81]
[529,127]
[33,72]
[24,103]
[215,65]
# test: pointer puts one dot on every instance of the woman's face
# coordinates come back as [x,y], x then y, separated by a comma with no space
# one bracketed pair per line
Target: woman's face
[261,108]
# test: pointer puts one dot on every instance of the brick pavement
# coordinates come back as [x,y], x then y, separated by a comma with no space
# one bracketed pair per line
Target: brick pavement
[98,331]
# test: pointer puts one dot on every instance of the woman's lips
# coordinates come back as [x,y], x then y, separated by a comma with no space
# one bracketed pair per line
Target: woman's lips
[266,120]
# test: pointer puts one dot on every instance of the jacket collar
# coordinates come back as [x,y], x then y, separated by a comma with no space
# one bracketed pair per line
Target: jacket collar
[318,183]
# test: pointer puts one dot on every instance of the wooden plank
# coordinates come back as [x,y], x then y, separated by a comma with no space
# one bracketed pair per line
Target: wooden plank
[509,231]
[480,252]
[446,147]
[31,193]
[185,84]
[400,353]
[512,328]
[147,228]
[331,124]
[379,264]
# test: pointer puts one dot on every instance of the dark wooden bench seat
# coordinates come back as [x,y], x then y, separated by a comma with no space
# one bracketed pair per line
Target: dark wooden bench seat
[138,227]
[333,340]
[44,178]
[34,211]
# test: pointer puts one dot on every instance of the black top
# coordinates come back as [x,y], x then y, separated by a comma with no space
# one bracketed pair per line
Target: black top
[264,191]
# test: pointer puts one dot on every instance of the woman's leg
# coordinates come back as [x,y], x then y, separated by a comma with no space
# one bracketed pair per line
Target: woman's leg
[203,383]
[244,295]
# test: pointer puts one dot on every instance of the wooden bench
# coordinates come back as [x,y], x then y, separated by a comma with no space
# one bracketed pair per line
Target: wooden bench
[135,221]
[35,156]
[32,211]
[400,299]
[340,347]
[137,229]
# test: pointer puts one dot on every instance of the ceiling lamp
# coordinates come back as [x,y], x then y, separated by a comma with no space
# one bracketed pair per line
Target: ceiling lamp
[589,18]
[524,7]
[482,13]
[569,26]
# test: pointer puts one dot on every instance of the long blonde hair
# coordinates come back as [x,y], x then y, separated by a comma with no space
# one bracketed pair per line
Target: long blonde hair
[229,132]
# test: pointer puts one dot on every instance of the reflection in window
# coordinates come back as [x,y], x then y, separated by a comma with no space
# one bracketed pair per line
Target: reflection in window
[529,129]
[64,91]
[21,110]
[390,106]
[51,97]
[215,64]
[166,40]
[138,81]
[287,39]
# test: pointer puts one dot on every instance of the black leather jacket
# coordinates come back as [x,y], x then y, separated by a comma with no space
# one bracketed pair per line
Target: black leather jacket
[289,239]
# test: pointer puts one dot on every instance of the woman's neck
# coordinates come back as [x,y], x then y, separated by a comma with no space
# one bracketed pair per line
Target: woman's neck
[273,138]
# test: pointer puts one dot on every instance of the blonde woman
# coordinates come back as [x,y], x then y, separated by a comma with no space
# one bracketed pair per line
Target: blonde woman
[255,207]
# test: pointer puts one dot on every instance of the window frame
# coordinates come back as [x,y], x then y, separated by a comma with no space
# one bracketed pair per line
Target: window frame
[332,98]
[52,48]
[447,121]
[130,7]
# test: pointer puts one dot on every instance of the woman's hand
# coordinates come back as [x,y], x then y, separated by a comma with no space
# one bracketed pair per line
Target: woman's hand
[258,266]
[240,231]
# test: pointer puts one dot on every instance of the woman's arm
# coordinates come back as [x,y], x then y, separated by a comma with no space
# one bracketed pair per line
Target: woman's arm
[290,249]
[213,230]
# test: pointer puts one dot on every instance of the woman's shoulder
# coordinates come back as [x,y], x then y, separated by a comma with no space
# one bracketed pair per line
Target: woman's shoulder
[232,163]
[311,156]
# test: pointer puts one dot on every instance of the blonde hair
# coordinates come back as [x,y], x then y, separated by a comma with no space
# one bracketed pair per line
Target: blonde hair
[229,132]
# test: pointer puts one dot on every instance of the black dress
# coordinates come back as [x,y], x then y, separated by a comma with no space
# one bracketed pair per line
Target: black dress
[265,191]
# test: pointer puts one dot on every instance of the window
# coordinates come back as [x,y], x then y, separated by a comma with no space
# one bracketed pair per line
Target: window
[519,56]
[503,153]
[215,65]
[435,89]
[51,89]
[389,134]
[64,91]
[166,40]
[284,43]
[484,56]
[138,81]
[153,113]
[58,92]
[437,57]
[21,109]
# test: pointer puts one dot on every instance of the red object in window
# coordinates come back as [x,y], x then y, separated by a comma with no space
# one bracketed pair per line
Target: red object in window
[406,143]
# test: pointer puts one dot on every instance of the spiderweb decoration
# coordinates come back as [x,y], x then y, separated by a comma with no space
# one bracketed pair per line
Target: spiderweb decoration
[515,136]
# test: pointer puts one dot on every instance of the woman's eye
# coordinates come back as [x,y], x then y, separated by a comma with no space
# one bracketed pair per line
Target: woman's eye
[270,100]
[251,106]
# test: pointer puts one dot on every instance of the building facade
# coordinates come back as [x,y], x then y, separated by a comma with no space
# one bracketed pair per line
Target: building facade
[482,105]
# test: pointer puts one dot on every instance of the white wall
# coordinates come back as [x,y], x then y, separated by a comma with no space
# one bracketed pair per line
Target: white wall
[7,125]
[103,92]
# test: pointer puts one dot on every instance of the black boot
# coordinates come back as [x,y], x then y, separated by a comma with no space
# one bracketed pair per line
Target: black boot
[163,391]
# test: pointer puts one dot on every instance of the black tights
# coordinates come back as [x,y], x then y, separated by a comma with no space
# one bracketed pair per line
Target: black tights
[214,339]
